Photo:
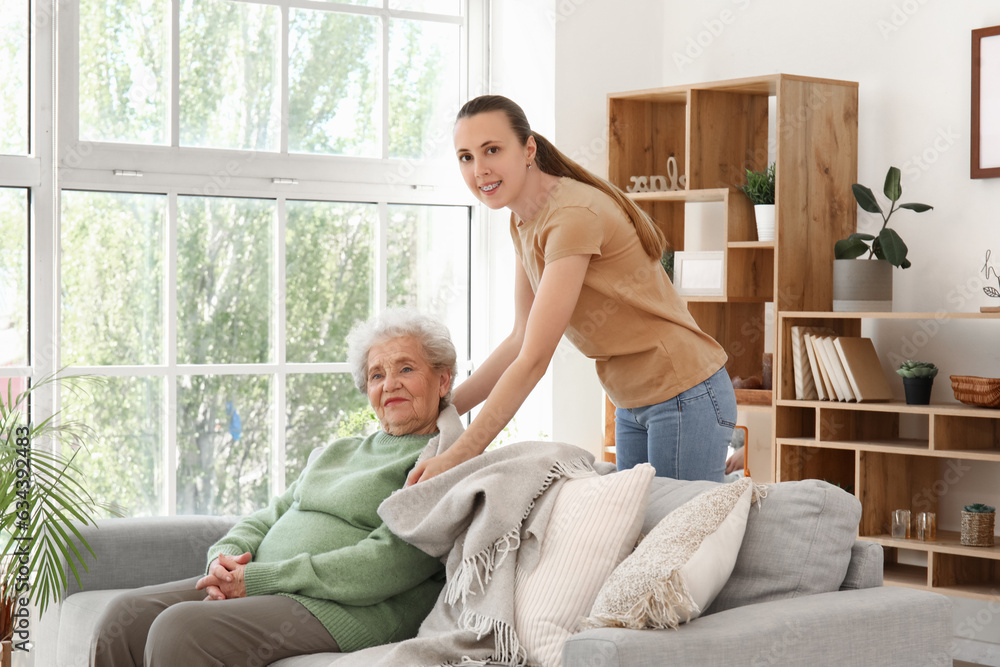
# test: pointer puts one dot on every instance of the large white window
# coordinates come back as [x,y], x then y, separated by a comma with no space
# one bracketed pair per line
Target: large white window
[236,184]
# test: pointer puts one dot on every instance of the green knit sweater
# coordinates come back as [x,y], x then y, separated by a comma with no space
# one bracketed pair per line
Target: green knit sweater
[322,543]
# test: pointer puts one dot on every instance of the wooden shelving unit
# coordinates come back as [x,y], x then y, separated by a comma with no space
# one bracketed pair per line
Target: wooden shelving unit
[859,446]
[715,131]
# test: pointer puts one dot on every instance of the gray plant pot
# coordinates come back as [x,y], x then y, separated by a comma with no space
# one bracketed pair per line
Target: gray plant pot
[862,285]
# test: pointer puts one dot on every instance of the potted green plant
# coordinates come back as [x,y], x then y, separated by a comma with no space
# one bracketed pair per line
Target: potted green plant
[977,525]
[759,188]
[39,513]
[918,378]
[868,285]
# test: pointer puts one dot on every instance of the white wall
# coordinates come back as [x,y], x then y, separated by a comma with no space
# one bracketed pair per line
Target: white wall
[912,61]
[522,67]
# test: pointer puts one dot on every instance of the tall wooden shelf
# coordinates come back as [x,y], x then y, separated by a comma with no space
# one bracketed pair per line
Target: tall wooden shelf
[715,132]
[860,446]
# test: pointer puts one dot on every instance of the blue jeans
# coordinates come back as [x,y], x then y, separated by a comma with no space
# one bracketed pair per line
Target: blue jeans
[686,437]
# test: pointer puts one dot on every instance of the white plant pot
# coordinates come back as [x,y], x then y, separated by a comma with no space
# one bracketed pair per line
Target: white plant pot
[861,285]
[764,215]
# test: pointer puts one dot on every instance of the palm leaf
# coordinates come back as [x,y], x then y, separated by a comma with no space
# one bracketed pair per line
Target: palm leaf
[57,496]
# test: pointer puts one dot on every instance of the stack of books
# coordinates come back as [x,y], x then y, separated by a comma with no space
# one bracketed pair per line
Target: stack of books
[829,367]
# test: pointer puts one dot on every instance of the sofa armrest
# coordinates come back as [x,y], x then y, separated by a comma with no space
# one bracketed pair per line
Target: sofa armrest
[865,569]
[141,551]
[872,626]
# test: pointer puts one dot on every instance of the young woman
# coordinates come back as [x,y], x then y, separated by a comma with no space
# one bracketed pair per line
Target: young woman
[588,267]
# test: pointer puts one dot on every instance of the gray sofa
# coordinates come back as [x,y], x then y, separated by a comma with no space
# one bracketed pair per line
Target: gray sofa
[803,592]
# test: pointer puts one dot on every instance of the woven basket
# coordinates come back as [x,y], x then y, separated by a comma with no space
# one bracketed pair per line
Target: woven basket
[972,390]
[977,528]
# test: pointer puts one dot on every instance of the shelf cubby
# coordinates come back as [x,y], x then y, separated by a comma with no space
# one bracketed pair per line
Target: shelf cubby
[890,481]
[800,461]
[976,437]
[966,575]
[907,574]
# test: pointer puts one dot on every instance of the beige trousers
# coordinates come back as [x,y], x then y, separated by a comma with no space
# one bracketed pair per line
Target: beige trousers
[171,625]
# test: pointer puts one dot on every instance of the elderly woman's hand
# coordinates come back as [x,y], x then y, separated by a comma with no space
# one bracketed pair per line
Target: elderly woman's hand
[224,580]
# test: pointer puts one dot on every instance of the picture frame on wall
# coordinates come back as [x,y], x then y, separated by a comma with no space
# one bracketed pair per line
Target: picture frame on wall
[699,273]
[985,162]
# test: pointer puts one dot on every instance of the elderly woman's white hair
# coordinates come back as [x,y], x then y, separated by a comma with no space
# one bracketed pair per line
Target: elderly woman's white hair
[433,337]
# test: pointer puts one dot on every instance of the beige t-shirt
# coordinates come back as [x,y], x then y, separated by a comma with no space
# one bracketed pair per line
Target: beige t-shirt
[629,318]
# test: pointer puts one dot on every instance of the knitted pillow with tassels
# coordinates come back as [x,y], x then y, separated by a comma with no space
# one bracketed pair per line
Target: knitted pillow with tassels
[681,565]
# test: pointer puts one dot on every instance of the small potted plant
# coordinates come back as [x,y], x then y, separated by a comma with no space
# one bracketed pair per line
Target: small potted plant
[759,189]
[918,378]
[868,285]
[977,525]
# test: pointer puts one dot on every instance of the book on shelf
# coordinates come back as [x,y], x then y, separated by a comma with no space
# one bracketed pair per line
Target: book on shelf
[838,376]
[823,385]
[830,362]
[864,370]
[843,368]
[805,382]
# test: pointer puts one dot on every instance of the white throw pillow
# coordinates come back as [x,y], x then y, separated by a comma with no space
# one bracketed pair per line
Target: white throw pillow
[594,524]
[679,568]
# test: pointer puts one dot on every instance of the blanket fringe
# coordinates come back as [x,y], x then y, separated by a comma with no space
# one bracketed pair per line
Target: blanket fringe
[507,647]
[479,567]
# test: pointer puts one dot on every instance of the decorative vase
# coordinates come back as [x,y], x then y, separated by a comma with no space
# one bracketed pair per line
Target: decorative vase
[764,215]
[5,653]
[862,285]
[918,390]
[977,528]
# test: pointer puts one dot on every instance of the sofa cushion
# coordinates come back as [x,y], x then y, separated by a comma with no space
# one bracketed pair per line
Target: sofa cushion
[798,540]
[593,526]
[679,568]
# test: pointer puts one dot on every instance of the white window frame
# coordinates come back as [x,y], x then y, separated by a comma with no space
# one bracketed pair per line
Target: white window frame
[59,161]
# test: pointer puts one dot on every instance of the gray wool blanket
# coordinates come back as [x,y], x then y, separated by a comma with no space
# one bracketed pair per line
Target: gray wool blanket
[483,518]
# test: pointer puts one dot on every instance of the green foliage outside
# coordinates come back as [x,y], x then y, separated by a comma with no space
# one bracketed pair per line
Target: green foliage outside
[14,74]
[13,275]
[114,264]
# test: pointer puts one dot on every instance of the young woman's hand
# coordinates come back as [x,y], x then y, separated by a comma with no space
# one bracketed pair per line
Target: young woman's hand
[436,465]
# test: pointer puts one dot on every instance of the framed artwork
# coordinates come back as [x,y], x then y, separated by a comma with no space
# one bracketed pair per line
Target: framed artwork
[985,103]
[699,273]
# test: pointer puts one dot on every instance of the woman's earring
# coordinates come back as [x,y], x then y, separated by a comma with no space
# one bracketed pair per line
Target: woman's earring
[529,165]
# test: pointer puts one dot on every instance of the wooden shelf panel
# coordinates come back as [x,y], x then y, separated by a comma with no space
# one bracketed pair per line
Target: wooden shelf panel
[956,409]
[828,315]
[902,446]
[947,542]
[757,85]
[759,397]
[705,195]
[751,245]
[888,447]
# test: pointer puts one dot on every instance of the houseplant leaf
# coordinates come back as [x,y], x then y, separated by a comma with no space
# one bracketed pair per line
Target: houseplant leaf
[893,190]
[850,247]
[58,498]
[919,208]
[893,248]
[866,198]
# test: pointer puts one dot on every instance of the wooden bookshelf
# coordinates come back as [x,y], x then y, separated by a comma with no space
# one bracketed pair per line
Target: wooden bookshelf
[715,131]
[859,446]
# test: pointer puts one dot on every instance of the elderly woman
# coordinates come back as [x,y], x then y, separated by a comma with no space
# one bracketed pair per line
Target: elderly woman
[316,570]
